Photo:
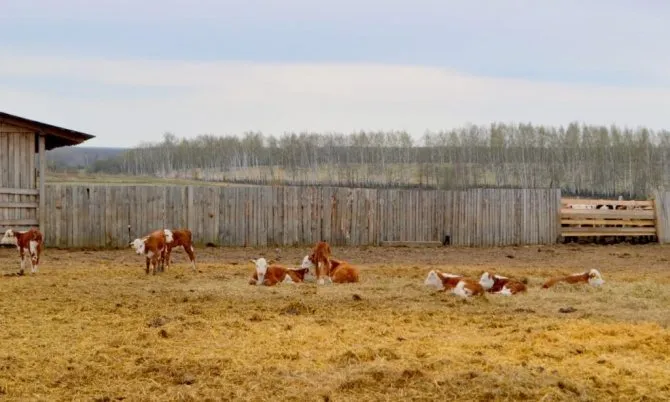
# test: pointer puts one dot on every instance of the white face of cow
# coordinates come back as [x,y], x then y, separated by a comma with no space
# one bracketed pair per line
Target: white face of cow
[486,281]
[310,275]
[169,236]
[8,238]
[261,269]
[306,263]
[433,280]
[138,245]
[595,279]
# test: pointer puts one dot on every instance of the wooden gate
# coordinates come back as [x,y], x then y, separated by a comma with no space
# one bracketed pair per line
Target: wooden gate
[599,218]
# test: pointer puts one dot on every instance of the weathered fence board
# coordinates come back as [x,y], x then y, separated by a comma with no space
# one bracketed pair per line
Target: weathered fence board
[662,210]
[99,215]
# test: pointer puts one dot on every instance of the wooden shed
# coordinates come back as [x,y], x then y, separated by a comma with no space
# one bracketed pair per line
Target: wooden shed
[23,146]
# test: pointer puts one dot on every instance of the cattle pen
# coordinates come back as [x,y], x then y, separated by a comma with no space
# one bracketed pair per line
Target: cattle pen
[107,216]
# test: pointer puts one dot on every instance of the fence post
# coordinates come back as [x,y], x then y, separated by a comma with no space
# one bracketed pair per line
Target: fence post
[190,212]
[659,215]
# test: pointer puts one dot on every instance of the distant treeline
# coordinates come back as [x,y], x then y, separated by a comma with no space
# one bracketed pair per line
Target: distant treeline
[580,159]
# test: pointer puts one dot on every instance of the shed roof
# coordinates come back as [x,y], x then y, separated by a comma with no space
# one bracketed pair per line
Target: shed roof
[55,136]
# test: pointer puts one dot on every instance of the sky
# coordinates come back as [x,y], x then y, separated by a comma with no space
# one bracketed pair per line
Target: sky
[129,71]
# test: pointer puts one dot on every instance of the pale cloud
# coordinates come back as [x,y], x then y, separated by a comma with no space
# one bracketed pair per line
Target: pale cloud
[233,97]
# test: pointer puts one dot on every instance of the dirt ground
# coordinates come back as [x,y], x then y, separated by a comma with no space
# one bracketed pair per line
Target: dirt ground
[92,326]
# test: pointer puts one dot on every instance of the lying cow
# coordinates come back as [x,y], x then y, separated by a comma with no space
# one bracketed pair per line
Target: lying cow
[591,277]
[153,247]
[340,271]
[456,284]
[503,285]
[343,272]
[272,275]
[28,243]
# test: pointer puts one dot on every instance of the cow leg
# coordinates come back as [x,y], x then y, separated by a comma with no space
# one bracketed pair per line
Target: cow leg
[191,255]
[23,261]
[146,270]
[35,260]
[322,266]
[319,273]
[167,257]
[154,264]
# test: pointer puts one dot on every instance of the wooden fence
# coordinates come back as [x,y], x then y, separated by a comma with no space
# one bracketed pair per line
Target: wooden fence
[99,215]
[662,209]
[614,218]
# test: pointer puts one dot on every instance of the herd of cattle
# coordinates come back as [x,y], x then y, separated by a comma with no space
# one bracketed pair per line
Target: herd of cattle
[319,266]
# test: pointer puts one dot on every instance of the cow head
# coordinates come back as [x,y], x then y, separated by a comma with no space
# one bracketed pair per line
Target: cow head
[309,268]
[138,245]
[307,263]
[9,238]
[434,280]
[487,280]
[261,269]
[595,279]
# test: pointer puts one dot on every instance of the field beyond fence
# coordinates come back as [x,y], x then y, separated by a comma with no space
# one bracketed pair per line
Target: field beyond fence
[99,215]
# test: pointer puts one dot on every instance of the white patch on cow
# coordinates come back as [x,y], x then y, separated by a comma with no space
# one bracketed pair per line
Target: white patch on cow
[23,262]
[150,254]
[138,245]
[486,281]
[505,291]
[306,263]
[595,279]
[261,269]
[321,281]
[169,236]
[192,249]
[33,247]
[461,290]
[288,279]
[9,238]
[500,277]
[433,280]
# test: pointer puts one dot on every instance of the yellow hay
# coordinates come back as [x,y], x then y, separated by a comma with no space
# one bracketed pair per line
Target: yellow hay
[93,326]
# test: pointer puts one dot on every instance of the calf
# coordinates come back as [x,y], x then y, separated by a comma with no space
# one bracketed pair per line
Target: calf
[153,247]
[591,277]
[183,238]
[456,284]
[343,272]
[501,284]
[29,242]
[320,257]
[274,274]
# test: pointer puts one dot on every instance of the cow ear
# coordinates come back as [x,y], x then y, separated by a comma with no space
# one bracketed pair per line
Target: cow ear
[252,261]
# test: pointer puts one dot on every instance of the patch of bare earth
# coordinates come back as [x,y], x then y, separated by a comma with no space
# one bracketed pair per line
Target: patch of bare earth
[92,326]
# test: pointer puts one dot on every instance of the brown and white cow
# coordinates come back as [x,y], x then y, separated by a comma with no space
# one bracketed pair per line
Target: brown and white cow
[592,277]
[29,242]
[503,285]
[343,272]
[456,284]
[320,257]
[153,247]
[274,274]
[340,271]
[183,238]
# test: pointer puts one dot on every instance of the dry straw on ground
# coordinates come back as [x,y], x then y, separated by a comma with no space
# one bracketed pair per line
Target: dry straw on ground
[92,326]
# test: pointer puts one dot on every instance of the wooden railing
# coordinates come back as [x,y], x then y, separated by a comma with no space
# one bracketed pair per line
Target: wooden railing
[585,217]
[18,207]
